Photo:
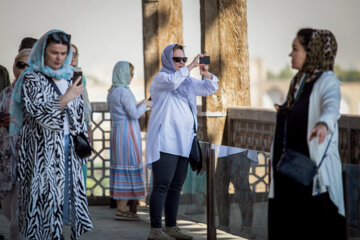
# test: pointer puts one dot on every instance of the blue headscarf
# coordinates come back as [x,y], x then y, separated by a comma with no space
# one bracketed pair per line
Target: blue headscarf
[186,89]
[36,63]
[121,76]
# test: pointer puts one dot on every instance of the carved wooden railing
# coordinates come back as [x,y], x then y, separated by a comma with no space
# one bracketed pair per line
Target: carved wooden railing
[249,128]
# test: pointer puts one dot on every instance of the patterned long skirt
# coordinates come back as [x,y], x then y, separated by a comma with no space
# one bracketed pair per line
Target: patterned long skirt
[126,167]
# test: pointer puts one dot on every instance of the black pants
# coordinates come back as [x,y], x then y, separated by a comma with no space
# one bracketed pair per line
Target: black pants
[295,214]
[169,174]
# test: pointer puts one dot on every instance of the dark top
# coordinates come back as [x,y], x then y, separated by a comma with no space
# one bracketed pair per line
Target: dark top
[296,138]
[297,125]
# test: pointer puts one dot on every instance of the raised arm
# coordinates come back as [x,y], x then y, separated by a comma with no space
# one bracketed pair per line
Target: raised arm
[168,82]
[206,87]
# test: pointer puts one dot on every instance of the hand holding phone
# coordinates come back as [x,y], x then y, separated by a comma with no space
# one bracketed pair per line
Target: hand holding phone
[205,60]
[76,76]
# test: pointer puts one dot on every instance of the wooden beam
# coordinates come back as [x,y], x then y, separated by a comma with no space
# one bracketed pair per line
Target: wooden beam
[224,38]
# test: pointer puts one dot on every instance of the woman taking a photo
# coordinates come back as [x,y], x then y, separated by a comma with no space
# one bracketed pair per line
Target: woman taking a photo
[126,169]
[51,187]
[170,134]
[307,123]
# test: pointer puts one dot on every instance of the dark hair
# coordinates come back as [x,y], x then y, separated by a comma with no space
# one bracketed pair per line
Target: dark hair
[304,35]
[27,42]
[178,46]
[59,37]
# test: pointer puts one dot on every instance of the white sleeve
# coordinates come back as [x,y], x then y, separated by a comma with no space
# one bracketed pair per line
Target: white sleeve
[133,111]
[330,103]
[168,82]
[206,87]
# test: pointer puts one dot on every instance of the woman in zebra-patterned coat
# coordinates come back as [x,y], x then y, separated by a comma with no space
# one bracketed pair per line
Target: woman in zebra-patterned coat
[51,192]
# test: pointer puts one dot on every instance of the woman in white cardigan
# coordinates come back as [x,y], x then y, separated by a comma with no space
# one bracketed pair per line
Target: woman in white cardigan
[305,123]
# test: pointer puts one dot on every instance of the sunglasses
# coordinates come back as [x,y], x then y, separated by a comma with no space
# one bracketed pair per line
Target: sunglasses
[57,36]
[75,54]
[179,59]
[21,65]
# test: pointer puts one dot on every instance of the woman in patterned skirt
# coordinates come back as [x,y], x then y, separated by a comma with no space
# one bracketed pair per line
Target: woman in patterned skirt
[126,169]
[51,187]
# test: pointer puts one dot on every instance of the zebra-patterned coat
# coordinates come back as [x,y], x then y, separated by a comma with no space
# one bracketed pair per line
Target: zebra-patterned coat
[41,164]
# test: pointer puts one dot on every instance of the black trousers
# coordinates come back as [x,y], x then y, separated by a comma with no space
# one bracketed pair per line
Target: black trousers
[295,214]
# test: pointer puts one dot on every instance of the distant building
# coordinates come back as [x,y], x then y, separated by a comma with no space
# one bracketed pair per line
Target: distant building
[266,92]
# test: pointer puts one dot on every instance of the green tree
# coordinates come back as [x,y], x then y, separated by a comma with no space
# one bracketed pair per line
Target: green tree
[286,73]
[344,75]
[271,75]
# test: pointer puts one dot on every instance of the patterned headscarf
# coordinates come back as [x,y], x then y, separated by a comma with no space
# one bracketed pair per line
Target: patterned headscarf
[320,57]
[186,88]
[36,63]
[4,78]
[121,76]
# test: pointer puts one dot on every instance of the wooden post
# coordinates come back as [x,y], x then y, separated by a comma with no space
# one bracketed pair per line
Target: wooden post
[224,38]
[150,42]
[162,25]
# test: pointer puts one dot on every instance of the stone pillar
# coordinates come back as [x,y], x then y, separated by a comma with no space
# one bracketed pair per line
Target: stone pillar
[224,38]
[162,25]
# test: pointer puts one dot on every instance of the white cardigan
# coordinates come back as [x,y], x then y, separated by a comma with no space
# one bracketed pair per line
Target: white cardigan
[324,106]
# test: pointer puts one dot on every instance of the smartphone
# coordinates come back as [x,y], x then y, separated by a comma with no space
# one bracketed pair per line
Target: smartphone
[204,60]
[76,75]
[3,115]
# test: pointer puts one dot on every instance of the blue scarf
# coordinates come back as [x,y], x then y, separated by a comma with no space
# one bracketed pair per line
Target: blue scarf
[121,76]
[36,63]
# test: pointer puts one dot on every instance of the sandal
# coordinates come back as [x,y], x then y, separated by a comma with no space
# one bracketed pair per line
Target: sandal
[126,215]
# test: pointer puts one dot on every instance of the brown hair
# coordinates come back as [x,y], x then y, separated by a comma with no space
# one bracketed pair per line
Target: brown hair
[77,50]
[27,42]
[132,68]
[178,46]
[304,35]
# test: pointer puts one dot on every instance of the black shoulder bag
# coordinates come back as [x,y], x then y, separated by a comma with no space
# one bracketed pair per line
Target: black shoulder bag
[298,166]
[82,146]
[195,157]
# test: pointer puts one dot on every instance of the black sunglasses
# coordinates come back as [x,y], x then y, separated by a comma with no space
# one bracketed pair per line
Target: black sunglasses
[179,59]
[21,65]
[57,36]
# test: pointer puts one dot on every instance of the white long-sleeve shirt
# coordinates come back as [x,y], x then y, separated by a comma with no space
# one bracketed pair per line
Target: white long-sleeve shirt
[171,121]
[122,106]
[324,106]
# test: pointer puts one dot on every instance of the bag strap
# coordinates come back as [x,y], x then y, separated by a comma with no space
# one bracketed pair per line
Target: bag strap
[327,147]
[53,84]
[193,118]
